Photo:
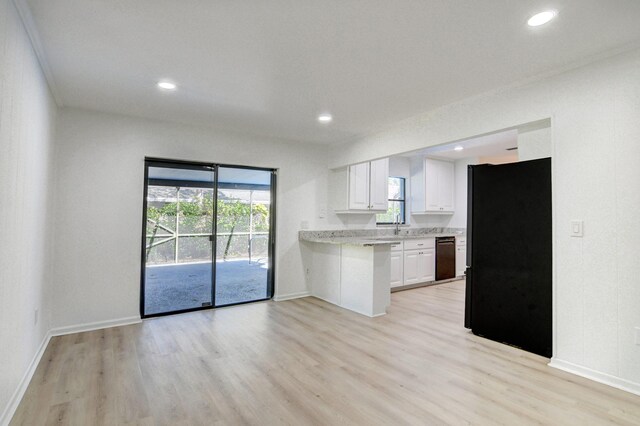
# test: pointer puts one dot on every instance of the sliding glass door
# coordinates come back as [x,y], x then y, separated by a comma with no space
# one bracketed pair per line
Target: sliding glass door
[179,269]
[243,235]
[179,210]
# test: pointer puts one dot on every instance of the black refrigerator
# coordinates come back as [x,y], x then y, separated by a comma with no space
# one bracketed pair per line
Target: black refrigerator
[509,254]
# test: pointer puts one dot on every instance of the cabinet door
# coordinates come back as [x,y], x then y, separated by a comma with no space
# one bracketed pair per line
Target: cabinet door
[359,187]
[461,260]
[431,188]
[427,265]
[411,261]
[396,269]
[379,181]
[446,185]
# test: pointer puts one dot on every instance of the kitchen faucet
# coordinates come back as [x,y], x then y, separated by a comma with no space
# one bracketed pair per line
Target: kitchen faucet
[396,231]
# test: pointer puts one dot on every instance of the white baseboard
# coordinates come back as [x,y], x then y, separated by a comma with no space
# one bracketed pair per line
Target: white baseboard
[324,299]
[17,396]
[596,376]
[280,298]
[91,326]
[12,406]
[357,311]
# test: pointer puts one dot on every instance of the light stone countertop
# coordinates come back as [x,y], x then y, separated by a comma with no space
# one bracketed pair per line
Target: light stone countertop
[373,237]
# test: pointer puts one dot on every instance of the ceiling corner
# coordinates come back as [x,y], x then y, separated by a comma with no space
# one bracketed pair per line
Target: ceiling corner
[32,31]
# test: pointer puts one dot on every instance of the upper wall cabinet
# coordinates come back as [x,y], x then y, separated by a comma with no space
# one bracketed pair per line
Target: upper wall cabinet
[379,185]
[432,186]
[361,188]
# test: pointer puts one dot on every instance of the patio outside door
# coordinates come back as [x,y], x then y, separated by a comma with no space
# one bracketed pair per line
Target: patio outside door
[178,248]
[243,254]
[180,272]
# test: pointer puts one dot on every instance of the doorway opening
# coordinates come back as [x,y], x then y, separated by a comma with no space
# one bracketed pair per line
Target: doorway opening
[208,236]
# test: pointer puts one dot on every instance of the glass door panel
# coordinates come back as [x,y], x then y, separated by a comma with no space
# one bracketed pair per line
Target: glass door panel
[243,235]
[179,225]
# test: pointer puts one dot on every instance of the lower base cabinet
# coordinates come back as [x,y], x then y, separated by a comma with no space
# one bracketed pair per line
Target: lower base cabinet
[419,266]
[413,262]
[396,269]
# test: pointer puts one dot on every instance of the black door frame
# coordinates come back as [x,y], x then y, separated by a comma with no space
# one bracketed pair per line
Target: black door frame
[210,167]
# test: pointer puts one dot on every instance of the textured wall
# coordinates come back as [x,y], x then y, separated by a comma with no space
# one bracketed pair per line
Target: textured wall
[535,144]
[100,166]
[27,115]
[596,147]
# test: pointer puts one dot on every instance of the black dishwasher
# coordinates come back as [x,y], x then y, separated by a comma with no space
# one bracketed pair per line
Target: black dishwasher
[445,258]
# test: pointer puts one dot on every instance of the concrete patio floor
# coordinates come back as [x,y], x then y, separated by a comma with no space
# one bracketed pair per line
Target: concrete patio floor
[184,286]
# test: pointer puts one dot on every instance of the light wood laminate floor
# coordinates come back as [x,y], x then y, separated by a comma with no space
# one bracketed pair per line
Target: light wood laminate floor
[308,362]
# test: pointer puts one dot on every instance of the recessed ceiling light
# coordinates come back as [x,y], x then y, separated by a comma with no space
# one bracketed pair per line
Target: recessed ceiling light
[458,148]
[167,85]
[541,18]
[325,118]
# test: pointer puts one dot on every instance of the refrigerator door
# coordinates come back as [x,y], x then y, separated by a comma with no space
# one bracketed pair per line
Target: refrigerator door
[509,250]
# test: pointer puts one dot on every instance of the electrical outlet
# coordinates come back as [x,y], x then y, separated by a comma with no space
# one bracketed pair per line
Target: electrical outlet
[638,336]
[35,316]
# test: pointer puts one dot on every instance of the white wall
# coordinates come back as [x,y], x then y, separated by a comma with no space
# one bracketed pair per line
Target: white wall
[535,144]
[100,161]
[596,147]
[27,115]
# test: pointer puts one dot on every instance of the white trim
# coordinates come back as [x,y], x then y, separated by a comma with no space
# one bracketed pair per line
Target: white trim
[359,312]
[91,326]
[32,31]
[596,376]
[281,298]
[325,300]
[554,236]
[17,396]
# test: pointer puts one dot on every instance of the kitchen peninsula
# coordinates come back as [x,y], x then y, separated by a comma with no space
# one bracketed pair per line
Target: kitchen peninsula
[353,268]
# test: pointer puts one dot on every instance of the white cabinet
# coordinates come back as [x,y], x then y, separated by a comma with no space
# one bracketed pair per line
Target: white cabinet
[396,269]
[427,265]
[397,265]
[413,262]
[379,184]
[411,267]
[432,186]
[446,184]
[419,266]
[361,188]
[461,256]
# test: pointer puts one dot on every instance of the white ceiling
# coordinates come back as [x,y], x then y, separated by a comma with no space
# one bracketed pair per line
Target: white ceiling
[493,145]
[270,66]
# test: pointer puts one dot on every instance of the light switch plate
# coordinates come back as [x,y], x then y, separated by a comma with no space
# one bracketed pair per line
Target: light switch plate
[577,228]
[638,336]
